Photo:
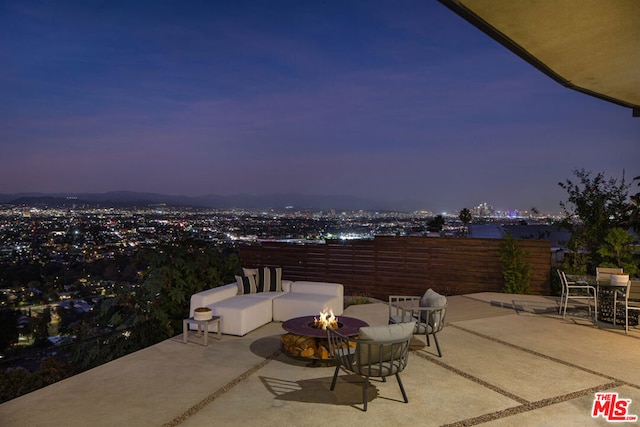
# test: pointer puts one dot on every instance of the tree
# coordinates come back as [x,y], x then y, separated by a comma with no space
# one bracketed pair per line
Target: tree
[65,318]
[578,259]
[41,327]
[175,273]
[436,223]
[19,381]
[8,328]
[595,205]
[154,310]
[465,217]
[178,272]
[634,217]
[617,250]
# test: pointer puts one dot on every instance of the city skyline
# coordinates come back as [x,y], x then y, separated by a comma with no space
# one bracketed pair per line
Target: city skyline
[387,101]
[265,203]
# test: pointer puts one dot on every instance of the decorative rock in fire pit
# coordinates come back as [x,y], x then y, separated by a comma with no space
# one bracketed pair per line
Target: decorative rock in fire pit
[202,313]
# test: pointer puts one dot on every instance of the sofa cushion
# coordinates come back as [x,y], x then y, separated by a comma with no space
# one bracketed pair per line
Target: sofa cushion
[324,288]
[211,296]
[269,279]
[242,314]
[296,304]
[265,295]
[246,285]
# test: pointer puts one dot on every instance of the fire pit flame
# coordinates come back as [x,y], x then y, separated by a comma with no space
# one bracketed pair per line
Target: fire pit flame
[326,320]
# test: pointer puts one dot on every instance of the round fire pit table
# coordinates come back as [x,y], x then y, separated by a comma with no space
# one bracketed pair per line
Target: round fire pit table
[306,341]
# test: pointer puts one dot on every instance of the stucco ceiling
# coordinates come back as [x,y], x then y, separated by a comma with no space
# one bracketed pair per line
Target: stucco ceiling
[592,46]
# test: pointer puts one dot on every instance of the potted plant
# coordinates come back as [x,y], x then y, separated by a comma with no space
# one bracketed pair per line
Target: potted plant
[619,279]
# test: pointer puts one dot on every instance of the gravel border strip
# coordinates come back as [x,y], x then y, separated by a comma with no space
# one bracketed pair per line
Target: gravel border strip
[200,405]
[525,405]
[532,406]
[472,378]
[544,356]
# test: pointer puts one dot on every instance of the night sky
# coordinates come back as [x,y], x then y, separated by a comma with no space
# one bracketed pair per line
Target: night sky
[387,100]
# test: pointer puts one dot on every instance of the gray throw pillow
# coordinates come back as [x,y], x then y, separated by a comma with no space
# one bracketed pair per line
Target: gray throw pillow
[431,299]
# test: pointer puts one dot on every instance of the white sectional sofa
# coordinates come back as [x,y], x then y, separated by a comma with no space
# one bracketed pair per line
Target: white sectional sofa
[308,298]
[242,313]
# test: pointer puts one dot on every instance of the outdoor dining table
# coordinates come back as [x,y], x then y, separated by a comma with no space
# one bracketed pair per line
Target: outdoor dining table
[606,293]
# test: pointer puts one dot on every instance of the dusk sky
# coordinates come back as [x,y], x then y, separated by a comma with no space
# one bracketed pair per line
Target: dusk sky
[387,100]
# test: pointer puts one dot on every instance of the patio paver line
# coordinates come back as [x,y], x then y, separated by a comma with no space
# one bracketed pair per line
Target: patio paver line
[525,405]
[602,326]
[533,405]
[545,356]
[222,390]
[472,378]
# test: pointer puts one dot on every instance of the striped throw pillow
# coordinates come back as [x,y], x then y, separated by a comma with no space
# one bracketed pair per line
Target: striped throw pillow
[246,285]
[270,279]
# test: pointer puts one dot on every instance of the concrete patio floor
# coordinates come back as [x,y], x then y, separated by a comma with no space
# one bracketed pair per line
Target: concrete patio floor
[507,360]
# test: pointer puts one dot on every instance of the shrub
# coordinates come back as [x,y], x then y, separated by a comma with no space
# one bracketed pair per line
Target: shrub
[358,299]
[516,272]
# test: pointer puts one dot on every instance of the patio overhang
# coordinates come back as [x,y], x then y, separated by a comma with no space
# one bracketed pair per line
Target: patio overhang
[592,46]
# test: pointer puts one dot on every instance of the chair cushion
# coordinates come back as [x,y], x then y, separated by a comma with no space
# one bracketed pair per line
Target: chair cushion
[402,319]
[387,332]
[380,334]
[423,328]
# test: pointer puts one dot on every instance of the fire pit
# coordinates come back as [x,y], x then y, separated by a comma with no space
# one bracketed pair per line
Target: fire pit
[305,339]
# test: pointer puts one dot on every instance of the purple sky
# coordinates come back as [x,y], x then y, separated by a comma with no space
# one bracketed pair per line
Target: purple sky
[386,100]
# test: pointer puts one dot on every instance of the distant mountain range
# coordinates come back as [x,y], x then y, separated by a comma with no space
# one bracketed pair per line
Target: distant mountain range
[241,201]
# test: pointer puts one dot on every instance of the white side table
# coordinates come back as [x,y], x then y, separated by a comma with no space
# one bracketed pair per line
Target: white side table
[204,324]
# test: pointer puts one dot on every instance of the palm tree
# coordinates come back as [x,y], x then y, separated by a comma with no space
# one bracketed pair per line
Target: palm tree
[465,217]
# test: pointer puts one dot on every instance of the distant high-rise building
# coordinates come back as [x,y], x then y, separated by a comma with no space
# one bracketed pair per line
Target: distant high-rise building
[483,210]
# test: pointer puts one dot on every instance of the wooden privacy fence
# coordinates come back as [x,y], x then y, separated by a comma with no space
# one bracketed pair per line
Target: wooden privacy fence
[402,265]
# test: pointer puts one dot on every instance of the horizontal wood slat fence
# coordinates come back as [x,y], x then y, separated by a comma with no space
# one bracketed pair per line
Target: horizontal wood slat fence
[402,265]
